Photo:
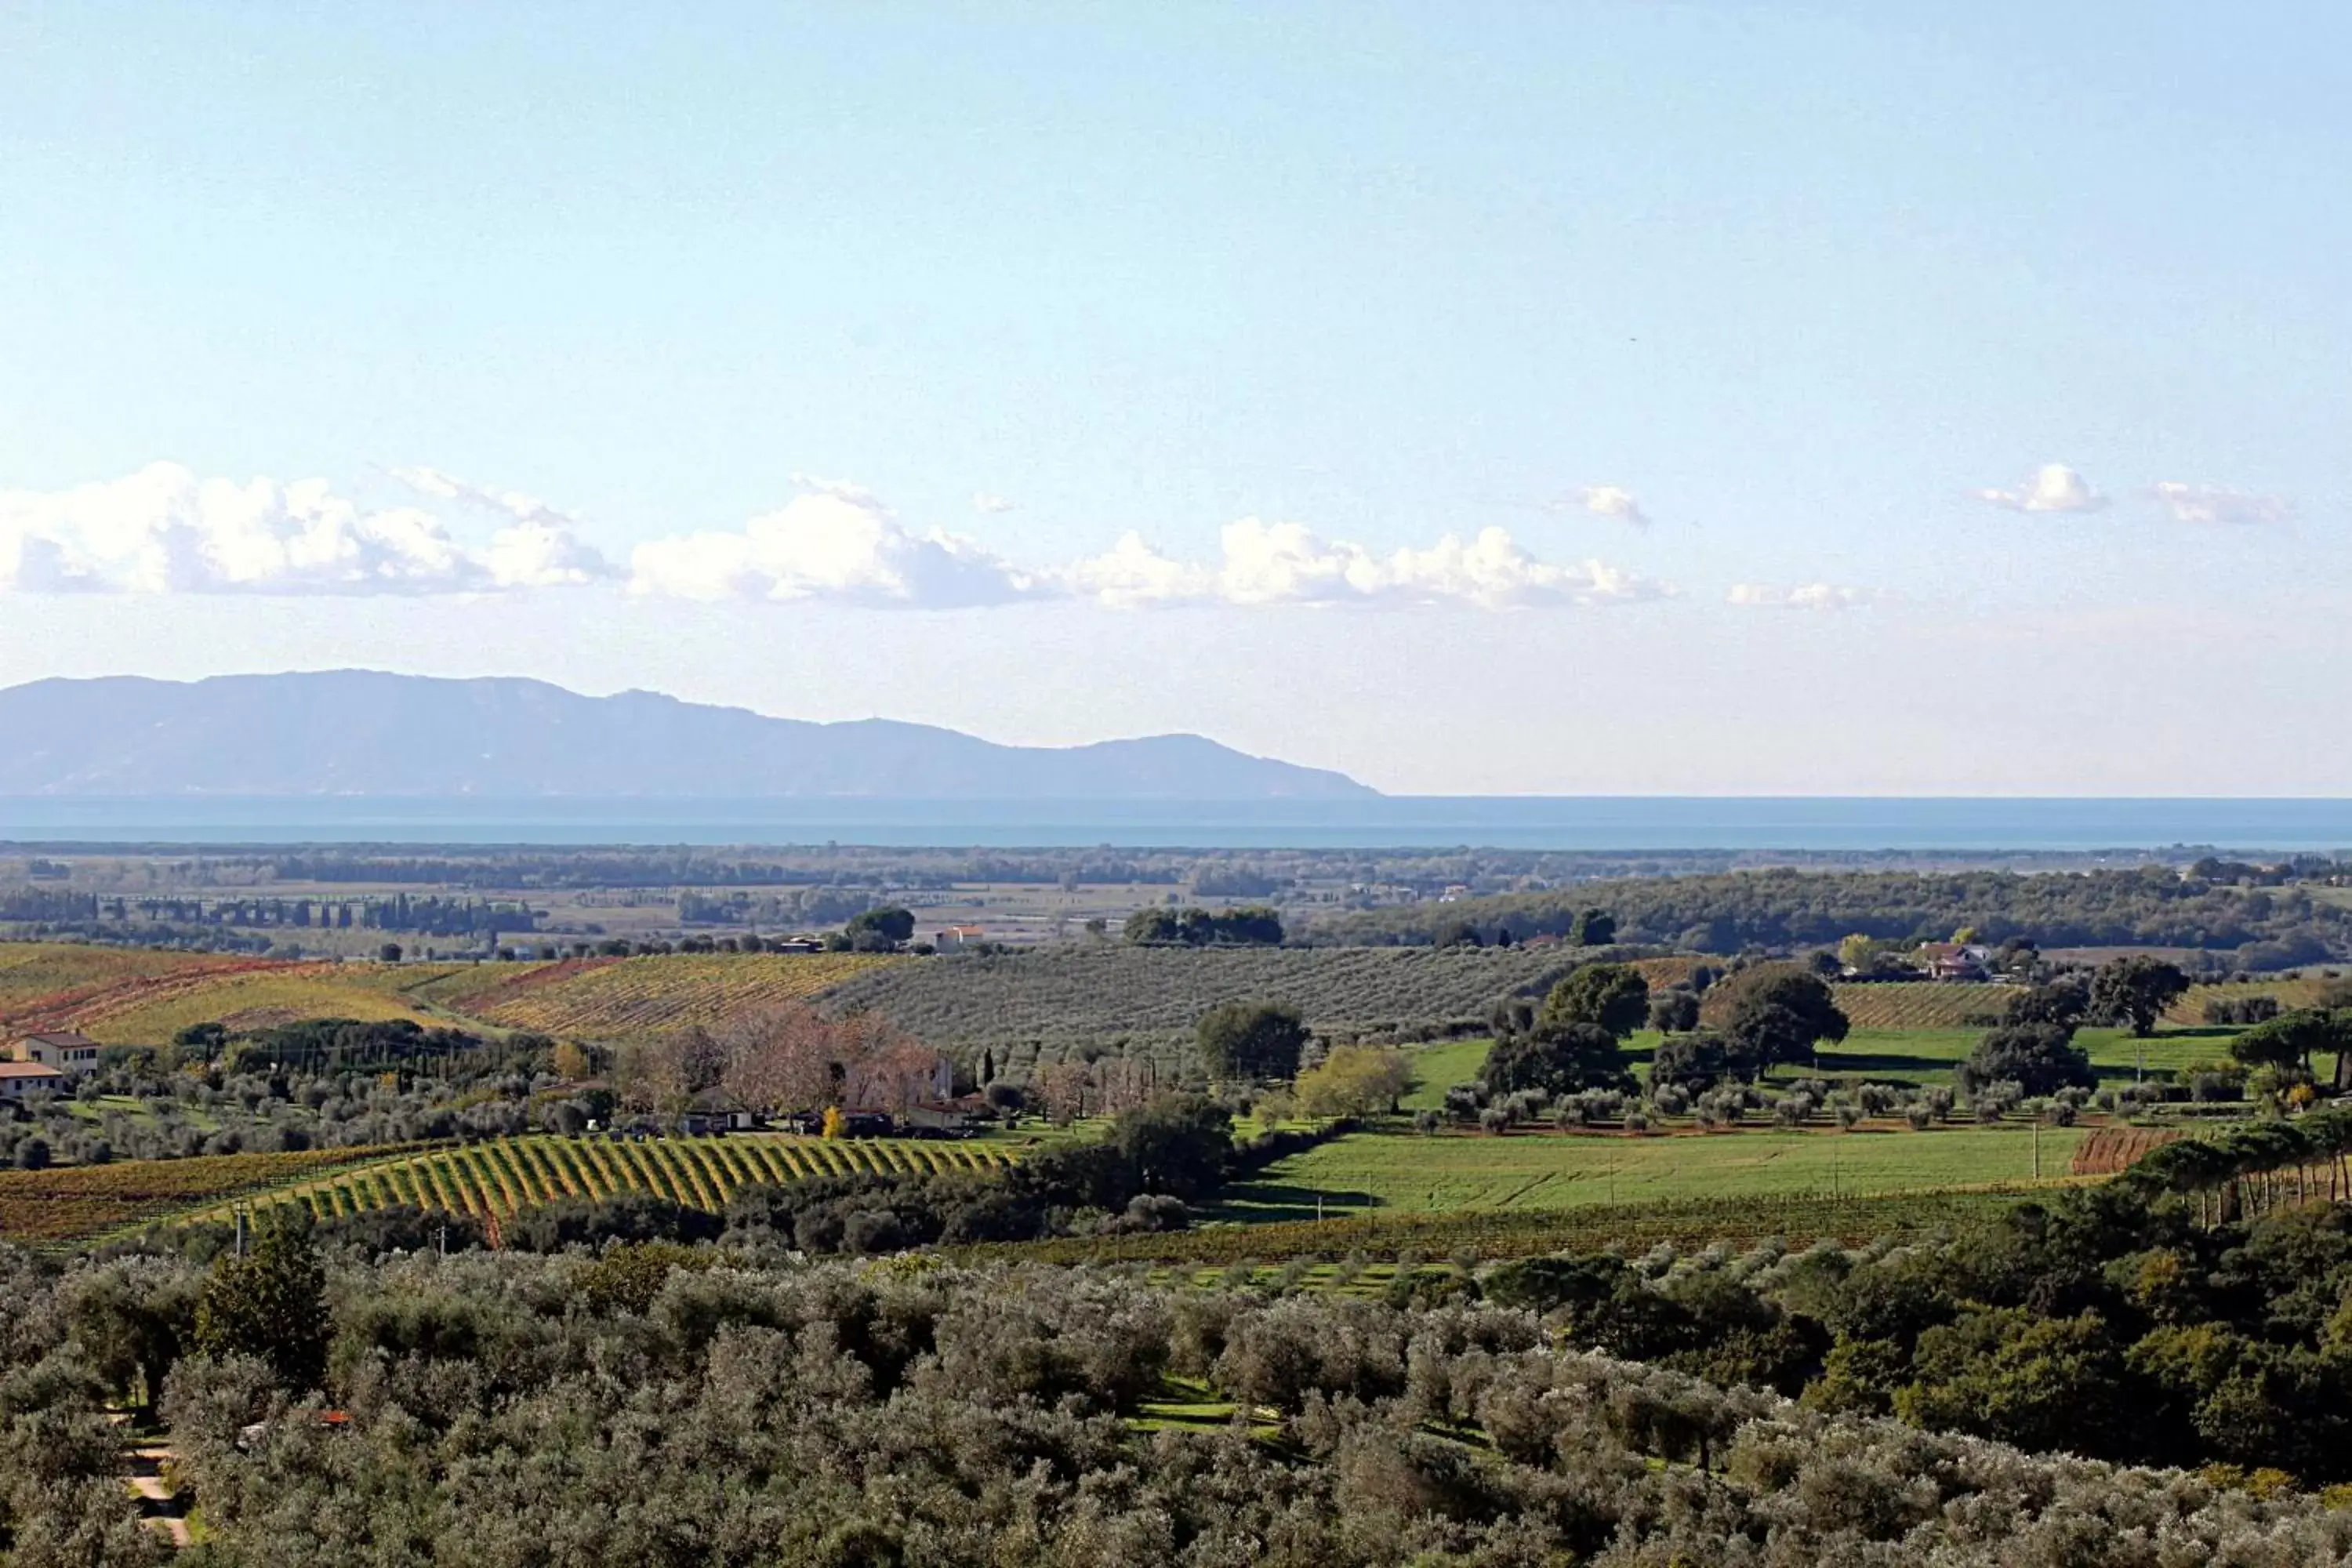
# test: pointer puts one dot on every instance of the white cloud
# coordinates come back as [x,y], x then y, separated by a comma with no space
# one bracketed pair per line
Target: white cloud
[444,486]
[1610,502]
[537,555]
[839,490]
[2053,486]
[988,505]
[837,541]
[1133,575]
[1287,563]
[2212,507]
[164,530]
[1804,597]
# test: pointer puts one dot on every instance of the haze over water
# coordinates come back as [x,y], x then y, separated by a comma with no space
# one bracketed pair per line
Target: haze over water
[1598,823]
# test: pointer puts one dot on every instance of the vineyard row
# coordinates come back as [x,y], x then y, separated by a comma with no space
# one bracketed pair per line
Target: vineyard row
[503,1176]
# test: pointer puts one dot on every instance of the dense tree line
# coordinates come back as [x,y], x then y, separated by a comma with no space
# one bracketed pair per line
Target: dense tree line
[433,915]
[2263,928]
[1247,926]
[794,908]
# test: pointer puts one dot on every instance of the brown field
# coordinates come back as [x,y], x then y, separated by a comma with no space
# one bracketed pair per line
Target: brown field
[2109,1151]
[72,1202]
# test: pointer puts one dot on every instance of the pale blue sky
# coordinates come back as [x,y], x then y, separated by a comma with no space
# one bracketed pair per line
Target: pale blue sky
[1801,281]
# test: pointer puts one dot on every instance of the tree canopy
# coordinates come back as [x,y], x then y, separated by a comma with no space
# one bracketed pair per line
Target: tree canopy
[1260,1041]
[2136,990]
[1614,996]
[890,924]
[1778,1014]
[1252,926]
[2041,1059]
[1694,1062]
[1592,928]
[2064,1003]
[2291,1039]
[1558,1058]
[271,1303]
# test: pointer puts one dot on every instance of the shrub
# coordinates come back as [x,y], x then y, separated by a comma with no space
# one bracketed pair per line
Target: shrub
[623,1218]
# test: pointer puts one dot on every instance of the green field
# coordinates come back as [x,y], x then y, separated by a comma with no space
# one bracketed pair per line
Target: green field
[1436,1068]
[1454,1170]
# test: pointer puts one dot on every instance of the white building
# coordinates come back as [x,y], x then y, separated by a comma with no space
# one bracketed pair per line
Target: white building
[67,1051]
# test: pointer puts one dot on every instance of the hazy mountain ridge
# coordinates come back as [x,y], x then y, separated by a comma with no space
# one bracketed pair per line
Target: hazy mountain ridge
[358,733]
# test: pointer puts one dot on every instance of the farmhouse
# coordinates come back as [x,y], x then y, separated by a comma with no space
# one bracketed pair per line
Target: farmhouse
[71,1052]
[1955,960]
[19,1078]
[954,939]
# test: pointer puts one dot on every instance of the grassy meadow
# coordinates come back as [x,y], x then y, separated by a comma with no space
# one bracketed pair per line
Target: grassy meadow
[1406,1170]
[1909,1058]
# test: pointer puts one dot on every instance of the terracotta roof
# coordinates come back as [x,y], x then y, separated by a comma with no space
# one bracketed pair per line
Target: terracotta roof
[29,1070]
[59,1037]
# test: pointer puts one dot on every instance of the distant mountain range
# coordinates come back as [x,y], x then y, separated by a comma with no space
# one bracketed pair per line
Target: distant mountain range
[357,732]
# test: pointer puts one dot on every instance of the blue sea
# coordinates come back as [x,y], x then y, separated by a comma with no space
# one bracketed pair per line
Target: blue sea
[1592,823]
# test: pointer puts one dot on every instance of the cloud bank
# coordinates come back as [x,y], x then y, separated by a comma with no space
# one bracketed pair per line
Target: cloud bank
[1285,564]
[164,530]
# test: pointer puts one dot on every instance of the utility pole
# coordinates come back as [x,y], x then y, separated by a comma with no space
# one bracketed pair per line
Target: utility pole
[239,1212]
[2037,1148]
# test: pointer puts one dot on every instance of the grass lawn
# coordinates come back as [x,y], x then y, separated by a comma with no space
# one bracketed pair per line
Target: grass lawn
[1408,1172]
[1436,1068]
